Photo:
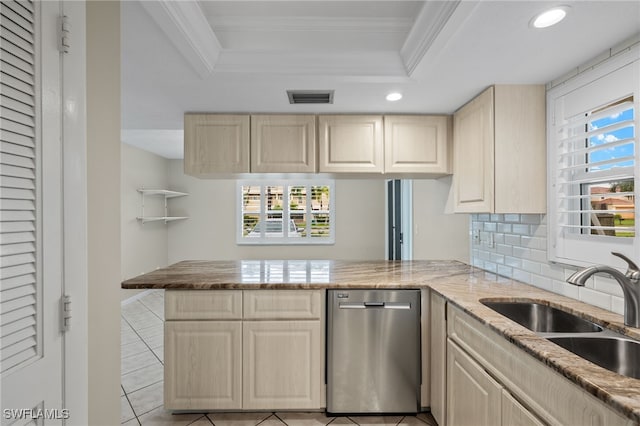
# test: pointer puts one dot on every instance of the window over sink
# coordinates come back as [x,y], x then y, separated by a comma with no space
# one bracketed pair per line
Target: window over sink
[286,212]
[593,163]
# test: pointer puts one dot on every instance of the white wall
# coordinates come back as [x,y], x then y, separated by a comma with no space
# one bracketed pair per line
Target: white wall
[209,233]
[103,224]
[437,233]
[144,247]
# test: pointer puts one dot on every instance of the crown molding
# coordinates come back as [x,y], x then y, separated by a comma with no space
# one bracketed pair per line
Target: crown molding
[432,19]
[378,65]
[188,29]
[306,24]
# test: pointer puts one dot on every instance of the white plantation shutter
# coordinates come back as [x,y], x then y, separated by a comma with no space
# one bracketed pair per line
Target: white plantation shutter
[592,160]
[18,191]
[593,164]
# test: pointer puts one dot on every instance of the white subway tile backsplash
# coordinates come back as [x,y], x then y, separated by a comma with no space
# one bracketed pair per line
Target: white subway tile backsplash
[533,242]
[504,249]
[530,266]
[520,252]
[532,219]
[538,255]
[512,218]
[490,266]
[505,271]
[542,282]
[504,227]
[552,271]
[566,289]
[514,262]
[617,305]
[513,240]
[521,229]
[523,276]
[596,298]
[607,285]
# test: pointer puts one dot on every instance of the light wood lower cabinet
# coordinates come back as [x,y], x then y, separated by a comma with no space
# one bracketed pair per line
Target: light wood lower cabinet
[514,414]
[244,350]
[438,358]
[203,365]
[530,392]
[473,397]
[282,367]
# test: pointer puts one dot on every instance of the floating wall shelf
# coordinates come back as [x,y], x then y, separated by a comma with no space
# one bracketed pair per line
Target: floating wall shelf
[166,194]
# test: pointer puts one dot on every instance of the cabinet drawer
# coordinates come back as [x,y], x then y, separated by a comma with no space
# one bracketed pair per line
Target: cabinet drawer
[202,304]
[282,304]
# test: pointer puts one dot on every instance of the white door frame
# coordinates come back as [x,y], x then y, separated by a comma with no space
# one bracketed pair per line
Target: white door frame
[74,175]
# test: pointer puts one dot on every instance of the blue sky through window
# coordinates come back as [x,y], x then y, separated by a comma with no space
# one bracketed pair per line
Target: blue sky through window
[608,137]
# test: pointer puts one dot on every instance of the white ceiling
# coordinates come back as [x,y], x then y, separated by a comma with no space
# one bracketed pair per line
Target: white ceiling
[242,56]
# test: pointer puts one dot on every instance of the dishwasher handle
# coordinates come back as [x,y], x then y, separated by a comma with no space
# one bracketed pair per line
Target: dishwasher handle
[370,305]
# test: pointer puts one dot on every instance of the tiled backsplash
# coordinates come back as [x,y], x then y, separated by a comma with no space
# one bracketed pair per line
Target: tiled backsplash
[515,246]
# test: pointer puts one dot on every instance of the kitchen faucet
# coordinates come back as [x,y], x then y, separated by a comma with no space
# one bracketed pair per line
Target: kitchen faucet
[629,281]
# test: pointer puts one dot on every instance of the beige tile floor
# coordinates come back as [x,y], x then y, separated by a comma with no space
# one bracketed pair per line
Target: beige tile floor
[142,382]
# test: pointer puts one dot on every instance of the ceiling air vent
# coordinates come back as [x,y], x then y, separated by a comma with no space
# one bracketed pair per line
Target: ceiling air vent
[310,96]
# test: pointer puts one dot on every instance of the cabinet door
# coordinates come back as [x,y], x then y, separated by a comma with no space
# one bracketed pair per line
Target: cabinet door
[216,143]
[351,143]
[473,160]
[514,414]
[283,143]
[473,397]
[438,350]
[417,144]
[202,365]
[282,365]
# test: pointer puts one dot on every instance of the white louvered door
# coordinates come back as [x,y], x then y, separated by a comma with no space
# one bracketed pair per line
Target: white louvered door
[31,349]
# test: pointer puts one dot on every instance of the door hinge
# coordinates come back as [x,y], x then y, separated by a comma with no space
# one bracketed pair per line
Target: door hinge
[64,28]
[65,313]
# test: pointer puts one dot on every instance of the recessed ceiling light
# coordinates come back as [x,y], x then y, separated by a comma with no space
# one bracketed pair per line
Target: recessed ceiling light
[394,96]
[549,17]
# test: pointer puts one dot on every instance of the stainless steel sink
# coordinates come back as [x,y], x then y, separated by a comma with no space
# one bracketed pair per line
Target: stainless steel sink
[619,355]
[542,318]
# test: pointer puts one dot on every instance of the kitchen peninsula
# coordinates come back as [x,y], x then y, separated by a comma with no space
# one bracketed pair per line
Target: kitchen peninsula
[233,309]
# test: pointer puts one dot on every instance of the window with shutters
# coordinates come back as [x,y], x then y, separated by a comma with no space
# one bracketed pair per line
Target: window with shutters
[593,166]
[286,212]
[19,191]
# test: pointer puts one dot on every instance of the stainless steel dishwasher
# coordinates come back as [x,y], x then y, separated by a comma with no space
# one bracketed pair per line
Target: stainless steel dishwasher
[373,351]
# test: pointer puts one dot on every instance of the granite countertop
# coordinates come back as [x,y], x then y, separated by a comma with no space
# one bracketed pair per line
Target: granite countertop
[461,284]
[283,274]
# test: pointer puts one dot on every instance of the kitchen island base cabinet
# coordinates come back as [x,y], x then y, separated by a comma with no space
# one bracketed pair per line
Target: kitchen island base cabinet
[203,365]
[282,365]
[244,350]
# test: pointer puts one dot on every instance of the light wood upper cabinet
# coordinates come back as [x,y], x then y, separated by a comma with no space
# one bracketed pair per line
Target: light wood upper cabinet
[417,144]
[499,145]
[216,143]
[350,143]
[283,143]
